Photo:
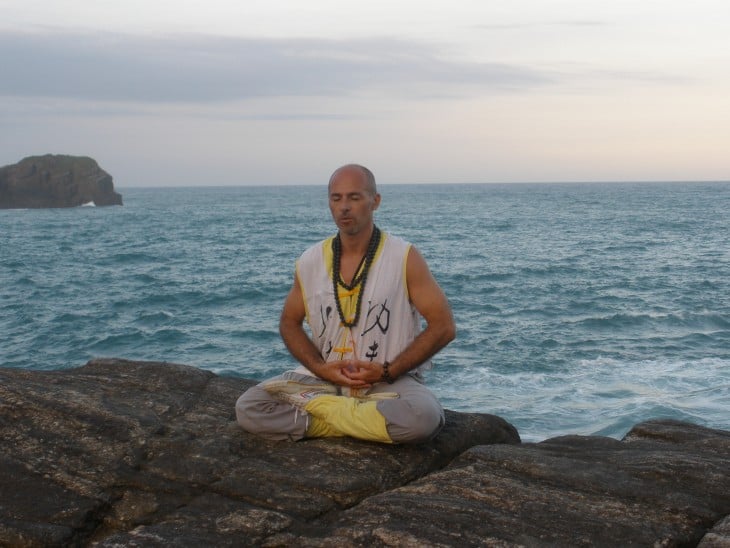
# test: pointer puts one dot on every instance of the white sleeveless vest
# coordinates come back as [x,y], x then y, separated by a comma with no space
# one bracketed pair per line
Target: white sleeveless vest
[388,321]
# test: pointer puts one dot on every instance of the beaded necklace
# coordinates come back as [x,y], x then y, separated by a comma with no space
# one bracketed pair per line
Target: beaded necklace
[360,278]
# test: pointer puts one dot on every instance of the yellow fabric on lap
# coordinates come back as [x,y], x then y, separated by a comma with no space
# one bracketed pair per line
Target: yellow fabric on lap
[320,429]
[350,416]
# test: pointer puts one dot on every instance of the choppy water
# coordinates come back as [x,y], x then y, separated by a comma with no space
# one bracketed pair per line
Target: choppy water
[580,308]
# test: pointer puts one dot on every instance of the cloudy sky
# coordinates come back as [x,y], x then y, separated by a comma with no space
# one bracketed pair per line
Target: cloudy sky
[233,92]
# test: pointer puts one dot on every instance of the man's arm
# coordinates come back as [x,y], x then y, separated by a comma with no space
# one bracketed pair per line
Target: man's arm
[431,303]
[301,346]
[292,331]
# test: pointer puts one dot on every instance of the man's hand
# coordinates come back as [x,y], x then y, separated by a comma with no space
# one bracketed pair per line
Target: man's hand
[364,371]
[349,373]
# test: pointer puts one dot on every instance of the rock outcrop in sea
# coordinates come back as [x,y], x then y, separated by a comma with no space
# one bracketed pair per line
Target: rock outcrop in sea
[56,181]
[125,453]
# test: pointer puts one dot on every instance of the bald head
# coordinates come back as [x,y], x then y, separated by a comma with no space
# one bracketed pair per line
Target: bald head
[367,176]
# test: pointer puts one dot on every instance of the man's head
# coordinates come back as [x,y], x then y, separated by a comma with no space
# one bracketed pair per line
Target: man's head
[353,198]
[366,173]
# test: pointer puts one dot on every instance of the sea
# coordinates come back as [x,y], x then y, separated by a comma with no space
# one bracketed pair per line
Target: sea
[580,308]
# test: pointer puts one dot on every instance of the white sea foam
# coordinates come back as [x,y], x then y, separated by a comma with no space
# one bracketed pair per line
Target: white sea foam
[597,396]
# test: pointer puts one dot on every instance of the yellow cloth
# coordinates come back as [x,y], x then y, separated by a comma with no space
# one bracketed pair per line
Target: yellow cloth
[349,417]
[320,429]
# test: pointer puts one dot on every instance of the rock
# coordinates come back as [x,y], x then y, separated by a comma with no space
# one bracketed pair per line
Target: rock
[719,536]
[665,484]
[56,181]
[121,453]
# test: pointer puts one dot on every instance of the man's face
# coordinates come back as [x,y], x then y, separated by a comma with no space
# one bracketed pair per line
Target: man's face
[351,203]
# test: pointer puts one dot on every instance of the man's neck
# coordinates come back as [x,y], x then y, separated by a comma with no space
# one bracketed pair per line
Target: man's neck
[356,244]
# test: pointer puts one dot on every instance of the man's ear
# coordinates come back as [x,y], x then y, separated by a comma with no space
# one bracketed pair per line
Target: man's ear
[376,201]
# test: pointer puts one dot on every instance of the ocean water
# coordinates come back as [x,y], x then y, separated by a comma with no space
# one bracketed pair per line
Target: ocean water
[580,308]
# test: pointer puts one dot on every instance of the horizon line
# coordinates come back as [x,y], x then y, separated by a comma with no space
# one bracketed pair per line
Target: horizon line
[495,183]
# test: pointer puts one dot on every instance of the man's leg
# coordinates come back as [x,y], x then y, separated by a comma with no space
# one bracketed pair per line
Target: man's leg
[260,413]
[352,417]
[328,413]
[416,416]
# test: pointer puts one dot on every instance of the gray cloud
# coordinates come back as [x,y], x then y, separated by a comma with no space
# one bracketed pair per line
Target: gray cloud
[193,68]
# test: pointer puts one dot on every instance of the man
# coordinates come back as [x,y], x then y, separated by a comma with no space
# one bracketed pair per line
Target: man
[363,294]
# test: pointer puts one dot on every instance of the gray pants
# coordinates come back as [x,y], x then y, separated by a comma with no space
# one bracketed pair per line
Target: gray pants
[415,416]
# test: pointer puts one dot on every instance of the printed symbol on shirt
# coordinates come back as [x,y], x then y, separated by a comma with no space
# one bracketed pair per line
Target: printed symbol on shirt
[378,316]
[372,351]
[325,314]
[329,350]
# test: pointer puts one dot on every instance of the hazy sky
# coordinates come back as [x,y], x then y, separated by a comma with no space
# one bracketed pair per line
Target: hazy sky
[183,92]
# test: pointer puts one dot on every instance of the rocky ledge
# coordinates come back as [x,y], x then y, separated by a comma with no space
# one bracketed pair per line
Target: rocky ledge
[123,453]
[56,181]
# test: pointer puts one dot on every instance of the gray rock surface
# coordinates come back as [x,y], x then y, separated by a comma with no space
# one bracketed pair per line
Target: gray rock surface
[56,181]
[122,453]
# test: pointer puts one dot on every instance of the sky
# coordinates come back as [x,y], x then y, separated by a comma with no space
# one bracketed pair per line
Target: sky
[275,92]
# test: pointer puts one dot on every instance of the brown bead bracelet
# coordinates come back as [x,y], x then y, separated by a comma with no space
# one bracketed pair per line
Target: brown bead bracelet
[386,374]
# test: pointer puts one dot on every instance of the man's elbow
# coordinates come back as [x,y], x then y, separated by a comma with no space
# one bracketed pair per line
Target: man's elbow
[446,332]
[286,325]
[449,332]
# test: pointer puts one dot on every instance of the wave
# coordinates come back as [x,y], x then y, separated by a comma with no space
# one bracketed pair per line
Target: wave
[149,319]
[578,308]
[701,321]
[601,396]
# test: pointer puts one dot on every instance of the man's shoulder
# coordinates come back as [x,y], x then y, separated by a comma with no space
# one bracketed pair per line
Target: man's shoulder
[319,245]
[321,248]
[316,250]
[396,242]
